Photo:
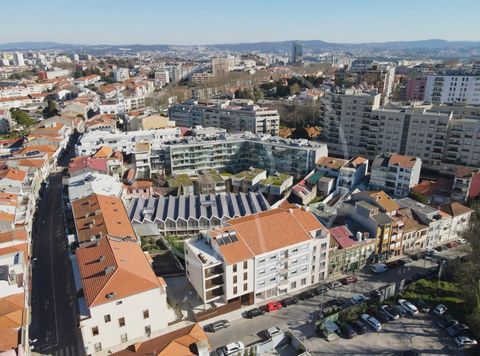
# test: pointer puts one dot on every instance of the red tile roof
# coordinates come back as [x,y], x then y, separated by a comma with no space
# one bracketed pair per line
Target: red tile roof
[79,163]
[115,266]
[342,236]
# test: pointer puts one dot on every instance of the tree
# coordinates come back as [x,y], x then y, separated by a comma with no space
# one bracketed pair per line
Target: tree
[418,197]
[51,109]
[21,118]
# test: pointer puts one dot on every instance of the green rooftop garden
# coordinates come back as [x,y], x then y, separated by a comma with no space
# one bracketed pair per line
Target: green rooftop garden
[179,180]
[249,174]
[275,179]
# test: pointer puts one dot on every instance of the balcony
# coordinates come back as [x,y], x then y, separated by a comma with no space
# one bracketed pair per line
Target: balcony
[213,283]
[214,293]
[213,271]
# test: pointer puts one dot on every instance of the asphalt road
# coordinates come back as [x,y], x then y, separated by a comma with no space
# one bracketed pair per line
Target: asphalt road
[300,317]
[54,316]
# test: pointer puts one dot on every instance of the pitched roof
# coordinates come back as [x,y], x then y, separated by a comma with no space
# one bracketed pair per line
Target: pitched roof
[274,229]
[78,163]
[465,172]
[455,209]
[14,235]
[178,342]
[402,161]
[103,152]
[381,199]
[11,320]
[49,149]
[111,265]
[343,236]
[333,163]
[13,174]
[100,215]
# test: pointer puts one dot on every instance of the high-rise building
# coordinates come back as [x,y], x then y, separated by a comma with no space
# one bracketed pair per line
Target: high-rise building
[222,65]
[121,74]
[297,53]
[162,77]
[18,59]
[453,89]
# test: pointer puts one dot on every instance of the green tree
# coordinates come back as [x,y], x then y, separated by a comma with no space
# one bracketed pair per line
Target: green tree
[21,118]
[51,109]
[418,197]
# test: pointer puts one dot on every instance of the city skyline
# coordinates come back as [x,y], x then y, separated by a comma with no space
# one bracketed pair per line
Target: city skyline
[153,23]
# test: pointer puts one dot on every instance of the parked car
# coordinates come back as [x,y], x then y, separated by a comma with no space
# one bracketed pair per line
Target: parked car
[409,353]
[406,260]
[378,268]
[274,330]
[217,325]
[289,301]
[421,306]
[358,299]
[445,322]
[440,309]
[379,314]
[371,322]
[334,284]
[233,347]
[457,329]
[308,294]
[394,264]
[400,310]
[320,290]
[392,313]
[252,313]
[346,331]
[462,241]
[359,327]
[465,341]
[409,307]
[272,306]
[452,244]
[349,279]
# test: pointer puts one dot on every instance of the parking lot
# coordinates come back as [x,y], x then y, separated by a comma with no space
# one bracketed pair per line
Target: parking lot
[418,333]
[409,333]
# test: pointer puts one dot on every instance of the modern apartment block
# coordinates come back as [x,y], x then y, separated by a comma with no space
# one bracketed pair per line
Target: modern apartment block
[238,152]
[222,65]
[395,174]
[233,118]
[121,301]
[452,88]
[258,257]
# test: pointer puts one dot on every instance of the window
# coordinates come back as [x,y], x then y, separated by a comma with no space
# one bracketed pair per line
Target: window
[304,281]
[234,268]
[124,337]
[235,291]
[98,346]
[245,276]
[95,331]
[121,322]
[146,314]
[107,318]
[234,279]
[245,286]
[118,302]
[148,331]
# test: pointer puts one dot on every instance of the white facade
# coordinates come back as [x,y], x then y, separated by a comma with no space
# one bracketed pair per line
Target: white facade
[453,89]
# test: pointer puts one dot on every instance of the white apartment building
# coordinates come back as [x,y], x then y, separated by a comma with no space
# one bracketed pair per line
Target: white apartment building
[162,77]
[395,174]
[121,74]
[122,141]
[258,257]
[453,89]
[222,65]
[122,301]
[18,59]
[233,118]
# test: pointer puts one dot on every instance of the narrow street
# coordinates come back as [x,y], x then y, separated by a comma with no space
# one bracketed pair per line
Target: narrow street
[54,323]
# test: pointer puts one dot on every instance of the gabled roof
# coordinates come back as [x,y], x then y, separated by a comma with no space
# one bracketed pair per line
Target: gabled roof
[13,174]
[402,161]
[78,163]
[100,215]
[103,152]
[455,209]
[112,269]
[11,320]
[178,342]
[333,163]
[343,236]
[380,199]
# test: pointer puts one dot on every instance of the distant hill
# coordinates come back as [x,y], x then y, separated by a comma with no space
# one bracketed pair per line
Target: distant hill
[282,46]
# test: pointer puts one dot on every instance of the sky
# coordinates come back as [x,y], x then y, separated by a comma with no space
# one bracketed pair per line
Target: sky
[224,21]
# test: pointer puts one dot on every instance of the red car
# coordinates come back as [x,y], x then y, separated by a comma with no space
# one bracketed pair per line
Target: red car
[349,280]
[273,306]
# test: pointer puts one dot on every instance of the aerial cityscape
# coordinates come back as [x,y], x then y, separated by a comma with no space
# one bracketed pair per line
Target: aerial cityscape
[253,178]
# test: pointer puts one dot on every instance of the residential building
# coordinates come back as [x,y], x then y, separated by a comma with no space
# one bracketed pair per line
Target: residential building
[248,180]
[18,59]
[352,173]
[85,184]
[88,80]
[460,218]
[452,88]
[201,78]
[466,184]
[222,65]
[121,74]
[97,216]
[210,182]
[258,257]
[233,118]
[190,214]
[276,184]
[120,299]
[415,90]
[162,77]
[395,174]
[348,252]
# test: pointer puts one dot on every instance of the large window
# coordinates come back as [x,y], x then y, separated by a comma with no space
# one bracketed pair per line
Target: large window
[107,318]
[121,322]
[146,314]
[95,331]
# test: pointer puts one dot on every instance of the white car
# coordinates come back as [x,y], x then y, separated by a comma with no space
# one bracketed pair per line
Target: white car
[464,341]
[462,241]
[372,322]
[440,309]
[358,299]
[409,307]
[233,348]
[274,330]
[379,268]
